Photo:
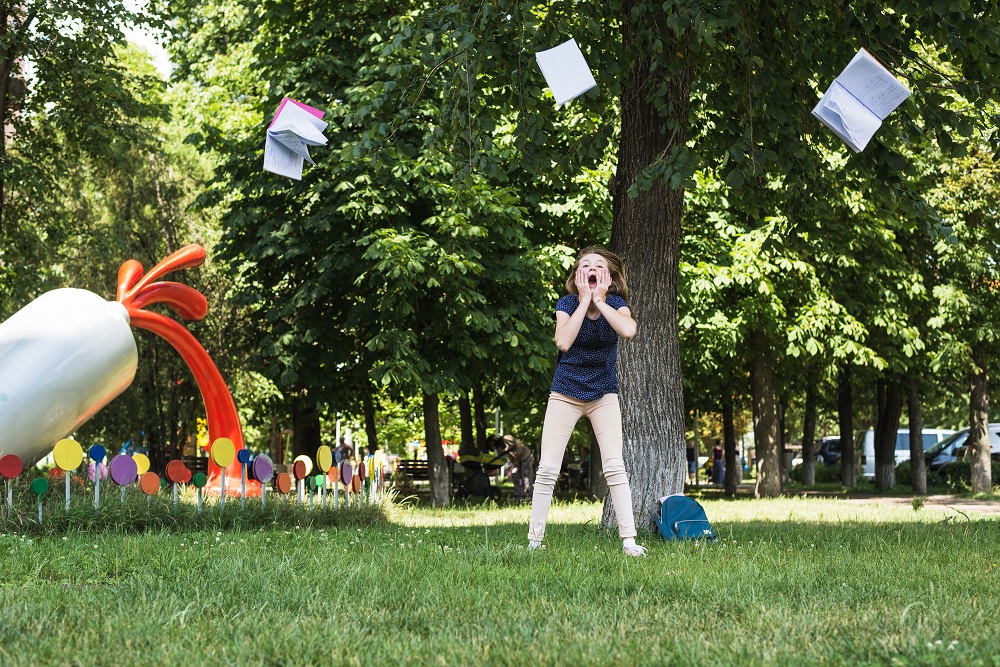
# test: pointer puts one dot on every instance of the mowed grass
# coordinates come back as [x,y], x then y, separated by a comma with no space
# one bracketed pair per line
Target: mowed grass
[790,582]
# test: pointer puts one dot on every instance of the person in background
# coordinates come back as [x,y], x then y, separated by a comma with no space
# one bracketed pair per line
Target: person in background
[521,467]
[692,461]
[590,319]
[718,464]
[344,451]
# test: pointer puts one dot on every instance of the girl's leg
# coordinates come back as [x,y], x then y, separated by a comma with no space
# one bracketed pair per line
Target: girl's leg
[561,416]
[606,416]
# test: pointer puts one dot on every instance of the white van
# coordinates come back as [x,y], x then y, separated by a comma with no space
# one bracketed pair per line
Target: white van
[931,437]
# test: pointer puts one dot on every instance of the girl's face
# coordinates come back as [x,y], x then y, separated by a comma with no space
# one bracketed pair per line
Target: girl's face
[590,264]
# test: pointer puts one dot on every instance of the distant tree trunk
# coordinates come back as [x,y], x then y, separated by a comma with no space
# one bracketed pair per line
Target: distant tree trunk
[765,429]
[465,421]
[979,439]
[918,468]
[782,441]
[274,443]
[438,467]
[478,402]
[734,471]
[885,435]
[809,437]
[646,232]
[845,419]
[371,430]
[306,437]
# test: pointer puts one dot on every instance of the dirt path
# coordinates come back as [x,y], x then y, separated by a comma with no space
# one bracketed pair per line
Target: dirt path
[961,505]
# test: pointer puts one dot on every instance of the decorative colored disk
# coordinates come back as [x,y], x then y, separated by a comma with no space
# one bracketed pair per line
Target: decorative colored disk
[123,470]
[39,486]
[177,472]
[243,456]
[149,483]
[68,454]
[299,469]
[311,483]
[307,462]
[346,472]
[283,482]
[356,484]
[262,469]
[141,463]
[97,453]
[100,468]
[200,479]
[223,452]
[319,480]
[324,458]
[10,466]
[362,470]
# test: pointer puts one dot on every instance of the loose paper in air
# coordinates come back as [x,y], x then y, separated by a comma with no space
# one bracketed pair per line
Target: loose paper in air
[295,127]
[565,71]
[859,100]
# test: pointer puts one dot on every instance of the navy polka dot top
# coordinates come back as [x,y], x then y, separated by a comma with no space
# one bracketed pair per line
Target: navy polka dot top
[587,369]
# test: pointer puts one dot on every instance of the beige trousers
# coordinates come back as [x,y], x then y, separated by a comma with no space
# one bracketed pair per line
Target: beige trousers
[561,416]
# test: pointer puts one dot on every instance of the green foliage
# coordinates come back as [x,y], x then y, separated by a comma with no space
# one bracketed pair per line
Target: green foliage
[957,475]
[824,474]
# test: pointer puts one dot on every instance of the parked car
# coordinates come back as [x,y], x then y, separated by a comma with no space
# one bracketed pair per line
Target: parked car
[932,436]
[828,450]
[948,449]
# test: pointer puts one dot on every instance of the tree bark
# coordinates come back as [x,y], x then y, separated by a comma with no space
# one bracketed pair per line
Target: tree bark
[845,419]
[765,429]
[734,471]
[782,441]
[480,415]
[306,437]
[436,465]
[885,435]
[646,232]
[979,438]
[809,437]
[918,468]
[465,422]
[371,430]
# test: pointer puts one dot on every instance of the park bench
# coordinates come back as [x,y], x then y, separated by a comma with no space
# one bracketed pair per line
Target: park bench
[415,469]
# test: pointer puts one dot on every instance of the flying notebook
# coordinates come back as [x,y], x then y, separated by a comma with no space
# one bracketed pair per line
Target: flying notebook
[293,130]
[858,100]
[566,71]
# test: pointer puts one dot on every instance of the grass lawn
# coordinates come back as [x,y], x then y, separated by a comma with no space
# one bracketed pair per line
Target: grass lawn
[790,582]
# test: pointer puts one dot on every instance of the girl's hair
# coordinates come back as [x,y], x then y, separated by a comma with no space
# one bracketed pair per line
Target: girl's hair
[616,267]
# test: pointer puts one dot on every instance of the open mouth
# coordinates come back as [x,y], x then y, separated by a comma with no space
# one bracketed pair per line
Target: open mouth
[592,280]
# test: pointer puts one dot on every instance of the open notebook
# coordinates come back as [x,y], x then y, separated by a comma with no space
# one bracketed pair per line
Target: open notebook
[295,128]
[858,100]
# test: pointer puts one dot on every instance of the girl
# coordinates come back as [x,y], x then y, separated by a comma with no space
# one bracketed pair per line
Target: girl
[589,321]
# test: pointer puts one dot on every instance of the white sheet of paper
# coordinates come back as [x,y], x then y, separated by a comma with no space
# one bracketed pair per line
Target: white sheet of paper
[858,100]
[292,131]
[566,71]
[847,117]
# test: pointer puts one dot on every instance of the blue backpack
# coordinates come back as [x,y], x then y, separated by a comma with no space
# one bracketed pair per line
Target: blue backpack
[682,518]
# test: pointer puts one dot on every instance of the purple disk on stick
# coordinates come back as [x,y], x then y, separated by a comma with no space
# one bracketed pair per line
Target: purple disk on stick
[261,469]
[123,470]
[346,472]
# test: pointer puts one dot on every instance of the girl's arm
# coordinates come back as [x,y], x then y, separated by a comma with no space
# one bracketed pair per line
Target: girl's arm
[568,326]
[620,320]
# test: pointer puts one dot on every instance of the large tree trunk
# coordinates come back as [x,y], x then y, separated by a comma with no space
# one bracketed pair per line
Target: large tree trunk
[371,431]
[734,471]
[646,232]
[809,437]
[306,438]
[783,442]
[979,439]
[765,430]
[436,465]
[845,419]
[918,469]
[885,436]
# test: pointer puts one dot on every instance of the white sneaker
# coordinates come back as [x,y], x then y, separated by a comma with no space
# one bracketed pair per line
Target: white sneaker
[534,545]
